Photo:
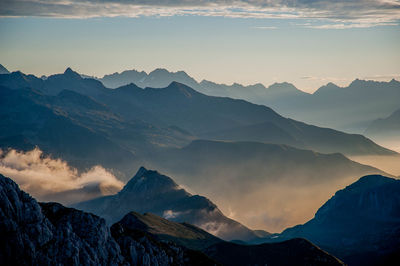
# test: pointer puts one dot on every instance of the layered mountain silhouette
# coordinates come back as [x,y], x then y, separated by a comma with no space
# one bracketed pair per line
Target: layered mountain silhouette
[196,114]
[47,233]
[349,108]
[359,224]
[149,191]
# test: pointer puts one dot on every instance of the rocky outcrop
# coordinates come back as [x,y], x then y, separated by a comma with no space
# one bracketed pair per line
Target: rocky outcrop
[35,233]
[49,234]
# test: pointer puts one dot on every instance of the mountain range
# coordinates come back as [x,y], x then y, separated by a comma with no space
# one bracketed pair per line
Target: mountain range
[349,108]
[86,124]
[185,111]
[360,224]
[47,233]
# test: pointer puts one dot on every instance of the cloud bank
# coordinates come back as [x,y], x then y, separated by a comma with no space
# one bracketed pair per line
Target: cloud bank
[51,179]
[339,14]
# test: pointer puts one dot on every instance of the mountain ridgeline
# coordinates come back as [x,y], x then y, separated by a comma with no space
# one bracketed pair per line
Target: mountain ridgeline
[178,114]
[350,108]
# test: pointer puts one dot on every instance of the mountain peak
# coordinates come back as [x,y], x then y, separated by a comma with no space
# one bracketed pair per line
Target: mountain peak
[159,71]
[187,91]
[148,182]
[72,74]
[371,181]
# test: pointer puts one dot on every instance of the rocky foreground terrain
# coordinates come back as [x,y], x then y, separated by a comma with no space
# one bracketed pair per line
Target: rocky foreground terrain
[50,234]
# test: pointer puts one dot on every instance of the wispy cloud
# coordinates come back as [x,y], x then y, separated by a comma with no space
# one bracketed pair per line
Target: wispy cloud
[53,179]
[265,27]
[341,13]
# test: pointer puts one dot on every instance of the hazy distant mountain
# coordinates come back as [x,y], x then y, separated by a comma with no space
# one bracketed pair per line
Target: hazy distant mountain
[388,127]
[359,224]
[255,171]
[3,70]
[275,95]
[349,108]
[149,191]
[158,78]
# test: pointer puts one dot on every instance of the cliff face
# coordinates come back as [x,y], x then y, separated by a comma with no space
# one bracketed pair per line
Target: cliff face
[35,233]
[49,233]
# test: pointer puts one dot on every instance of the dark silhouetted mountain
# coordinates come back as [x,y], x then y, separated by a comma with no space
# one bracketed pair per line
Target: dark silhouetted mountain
[388,127]
[292,252]
[49,234]
[149,191]
[359,224]
[3,70]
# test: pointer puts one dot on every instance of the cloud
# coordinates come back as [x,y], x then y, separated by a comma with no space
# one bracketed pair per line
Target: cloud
[53,179]
[265,27]
[341,14]
[170,214]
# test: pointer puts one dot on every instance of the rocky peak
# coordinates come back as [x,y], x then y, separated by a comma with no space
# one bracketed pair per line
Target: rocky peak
[72,74]
[148,182]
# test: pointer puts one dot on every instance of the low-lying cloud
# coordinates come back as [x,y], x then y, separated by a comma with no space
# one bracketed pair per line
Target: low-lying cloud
[51,179]
[340,14]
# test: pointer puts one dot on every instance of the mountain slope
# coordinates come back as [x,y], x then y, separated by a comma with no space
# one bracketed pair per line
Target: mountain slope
[54,132]
[182,234]
[3,70]
[199,114]
[149,191]
[360,224]
[292,252]
[297,181]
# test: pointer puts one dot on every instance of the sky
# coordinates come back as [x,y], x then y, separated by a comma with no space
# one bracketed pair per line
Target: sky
[306,42]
